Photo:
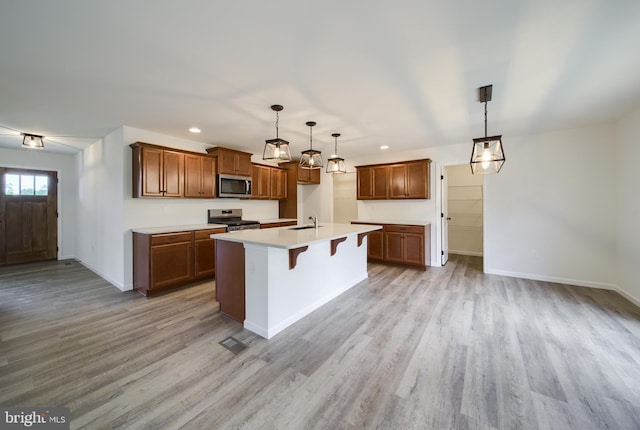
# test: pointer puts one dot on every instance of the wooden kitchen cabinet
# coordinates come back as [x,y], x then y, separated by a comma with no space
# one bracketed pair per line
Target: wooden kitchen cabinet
[405,180]
[157,171]
[375,245]
[232,162]
[400,244]
[260,182]
[308,176]
[278,224]
[199,176]
[169,260]
[278,184]
[372,182]
[205,253]
[268,183]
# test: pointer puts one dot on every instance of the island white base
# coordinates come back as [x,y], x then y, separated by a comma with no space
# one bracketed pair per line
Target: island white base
[276,297]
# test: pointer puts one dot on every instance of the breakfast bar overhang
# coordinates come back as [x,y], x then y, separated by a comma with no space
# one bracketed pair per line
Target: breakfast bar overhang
[288,271]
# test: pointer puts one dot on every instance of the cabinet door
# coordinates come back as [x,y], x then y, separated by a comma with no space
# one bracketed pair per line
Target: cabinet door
[278,184]
[192,175]
[208,177]
[394,247]
[265,182]
[151,160]
[243,164]
[227,162]
[397,184]
[205,255]
[173,173]
[375,245]
[364,181]
[417,184]
[380,182]
[171,263]
[304,175]
[413,248]
[315,176]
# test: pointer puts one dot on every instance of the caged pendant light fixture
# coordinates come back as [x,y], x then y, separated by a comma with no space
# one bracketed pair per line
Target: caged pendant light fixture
[335,164]
[311,159]
[32,141]
[276,149]
[487,155]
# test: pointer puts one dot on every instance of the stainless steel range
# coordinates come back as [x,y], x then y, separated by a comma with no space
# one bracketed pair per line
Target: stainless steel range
[232,218]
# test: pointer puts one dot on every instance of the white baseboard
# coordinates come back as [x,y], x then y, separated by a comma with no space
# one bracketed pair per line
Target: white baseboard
[558,280]
[106,278]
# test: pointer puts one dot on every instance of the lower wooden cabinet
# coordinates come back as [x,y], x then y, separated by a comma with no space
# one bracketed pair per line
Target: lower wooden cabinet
[230,283]
[399,244]
[170,260]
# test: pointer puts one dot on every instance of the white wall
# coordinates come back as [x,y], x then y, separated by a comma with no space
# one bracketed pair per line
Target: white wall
[67,189]
[628,205]
[549,212]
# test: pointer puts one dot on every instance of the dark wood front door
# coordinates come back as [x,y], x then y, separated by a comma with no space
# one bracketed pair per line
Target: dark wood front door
[28,215]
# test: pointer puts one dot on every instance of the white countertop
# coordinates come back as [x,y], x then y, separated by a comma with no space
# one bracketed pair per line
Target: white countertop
[284,237]
[177,228]
[396,222]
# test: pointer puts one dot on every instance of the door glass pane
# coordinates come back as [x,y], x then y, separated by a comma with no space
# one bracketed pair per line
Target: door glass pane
[42,186]
[26,185]
[11,185]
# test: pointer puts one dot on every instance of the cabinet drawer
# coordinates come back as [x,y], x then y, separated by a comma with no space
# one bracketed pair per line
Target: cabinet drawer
[168,238]
[404,228]
[204,234]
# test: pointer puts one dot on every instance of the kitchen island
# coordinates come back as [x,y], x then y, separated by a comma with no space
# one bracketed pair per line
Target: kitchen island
[270,278]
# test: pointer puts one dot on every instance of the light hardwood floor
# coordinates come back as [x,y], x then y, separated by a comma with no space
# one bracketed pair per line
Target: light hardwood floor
[449,348]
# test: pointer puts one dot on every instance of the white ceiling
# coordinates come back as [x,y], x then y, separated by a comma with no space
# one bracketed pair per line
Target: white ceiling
[401,73]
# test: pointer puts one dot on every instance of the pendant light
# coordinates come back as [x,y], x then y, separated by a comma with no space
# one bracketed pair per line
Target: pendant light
[487,155]
[32,141]
[276,149]
[311,159]
[335,164]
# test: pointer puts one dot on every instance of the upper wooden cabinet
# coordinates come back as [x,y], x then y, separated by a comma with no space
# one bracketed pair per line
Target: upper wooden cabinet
[157,171]
[405,180]
[268,183]
[199,176]
[308,176]
[232,162]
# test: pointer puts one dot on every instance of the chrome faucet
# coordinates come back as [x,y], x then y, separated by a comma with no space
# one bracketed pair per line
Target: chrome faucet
[314,218]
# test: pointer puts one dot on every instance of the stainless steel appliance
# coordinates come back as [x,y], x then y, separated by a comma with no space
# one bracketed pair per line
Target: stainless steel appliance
[232,218]
[234,186]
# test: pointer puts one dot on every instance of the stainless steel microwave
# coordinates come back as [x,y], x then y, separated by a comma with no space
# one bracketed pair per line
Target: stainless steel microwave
[234,186]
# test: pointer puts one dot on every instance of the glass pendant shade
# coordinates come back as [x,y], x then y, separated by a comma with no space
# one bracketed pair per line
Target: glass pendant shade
[32,141]
[311,159]
[487,155]
[276,150]
[336,165]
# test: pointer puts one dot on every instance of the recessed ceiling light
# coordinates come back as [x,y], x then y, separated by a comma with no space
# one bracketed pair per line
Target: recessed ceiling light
[384,147]
[195,130]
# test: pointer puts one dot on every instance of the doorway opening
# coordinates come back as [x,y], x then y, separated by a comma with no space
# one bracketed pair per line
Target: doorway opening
[28,215]
[462,220]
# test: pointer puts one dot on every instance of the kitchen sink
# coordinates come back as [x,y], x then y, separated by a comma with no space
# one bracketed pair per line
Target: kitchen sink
[302,227]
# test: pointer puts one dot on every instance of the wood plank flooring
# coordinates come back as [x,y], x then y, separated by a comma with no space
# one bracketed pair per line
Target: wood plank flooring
[449,348]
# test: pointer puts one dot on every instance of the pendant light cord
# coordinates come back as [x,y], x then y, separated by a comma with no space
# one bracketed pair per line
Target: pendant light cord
[310,137]
[277,119]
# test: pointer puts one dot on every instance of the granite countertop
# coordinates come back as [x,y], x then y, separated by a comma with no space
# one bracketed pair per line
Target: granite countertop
[287,238]
[177,228]
[395,222]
